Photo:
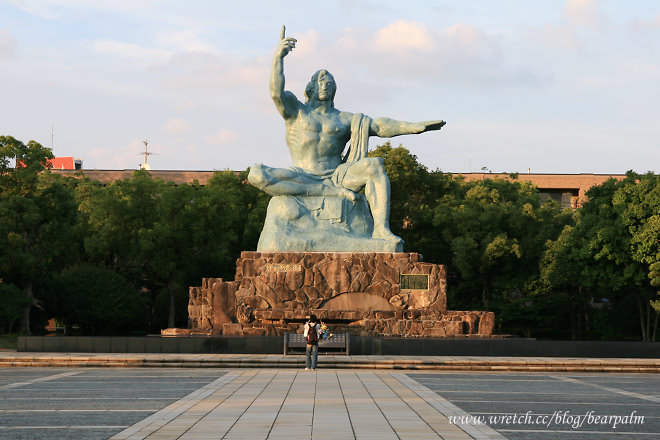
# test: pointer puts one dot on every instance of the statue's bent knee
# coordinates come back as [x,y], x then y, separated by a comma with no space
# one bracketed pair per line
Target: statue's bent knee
[375,166]
[257,176]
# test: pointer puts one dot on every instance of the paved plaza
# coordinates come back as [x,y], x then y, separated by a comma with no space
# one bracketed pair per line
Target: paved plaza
[333,404]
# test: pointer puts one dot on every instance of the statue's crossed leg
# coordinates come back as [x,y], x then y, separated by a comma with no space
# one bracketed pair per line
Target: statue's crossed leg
[345,181]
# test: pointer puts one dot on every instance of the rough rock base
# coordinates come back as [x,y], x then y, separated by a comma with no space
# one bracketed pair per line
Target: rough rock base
[275,292]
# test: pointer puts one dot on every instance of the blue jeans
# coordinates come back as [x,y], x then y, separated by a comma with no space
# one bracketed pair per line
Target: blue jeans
[312,353]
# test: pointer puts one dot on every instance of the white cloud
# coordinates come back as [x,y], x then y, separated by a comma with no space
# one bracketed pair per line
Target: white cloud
[52,9]
[466,34]
[185,41]
[222,137]
[125,157]
[130,50]
[581,12]
[653,23]
[466,43]
[403,36]
[459,53]
[7,44]
[553,36]
[187,105]
[208,73]
[347,41]
[307,44]
[176,126]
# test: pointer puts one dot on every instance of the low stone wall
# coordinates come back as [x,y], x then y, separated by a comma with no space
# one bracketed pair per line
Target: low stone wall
[462,346]
[359,293]
[411,323]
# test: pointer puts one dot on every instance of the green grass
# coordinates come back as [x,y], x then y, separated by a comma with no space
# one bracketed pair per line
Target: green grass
[8,341]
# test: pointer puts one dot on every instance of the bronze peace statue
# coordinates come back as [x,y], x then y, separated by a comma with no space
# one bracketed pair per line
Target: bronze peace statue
[317,204]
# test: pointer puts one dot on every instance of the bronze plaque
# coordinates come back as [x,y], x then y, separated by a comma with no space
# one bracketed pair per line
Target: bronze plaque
[283,267]
[408,281]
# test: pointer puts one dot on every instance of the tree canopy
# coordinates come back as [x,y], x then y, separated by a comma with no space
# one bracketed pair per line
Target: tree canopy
[118,258]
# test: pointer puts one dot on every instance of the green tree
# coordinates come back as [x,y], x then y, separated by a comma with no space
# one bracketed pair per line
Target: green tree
[640,204]
[494,230]
[592,260]
[37,210]
[414,194]
[118,219]
[255,203]
[164,237]
[490,234]
[12,303]
[99,301]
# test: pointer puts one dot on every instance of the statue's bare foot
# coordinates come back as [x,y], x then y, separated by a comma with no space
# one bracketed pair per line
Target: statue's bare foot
[385,234]
[350,195]
[340,192]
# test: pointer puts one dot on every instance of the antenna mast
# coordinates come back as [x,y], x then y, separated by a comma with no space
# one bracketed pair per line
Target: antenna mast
[147,153]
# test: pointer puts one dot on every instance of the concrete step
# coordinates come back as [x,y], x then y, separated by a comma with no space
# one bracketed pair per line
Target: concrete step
[445,363]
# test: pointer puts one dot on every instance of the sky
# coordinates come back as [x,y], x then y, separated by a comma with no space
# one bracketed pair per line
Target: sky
[553,86]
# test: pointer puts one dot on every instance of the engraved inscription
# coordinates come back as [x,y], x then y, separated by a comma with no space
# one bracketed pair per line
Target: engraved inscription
[282,267]
[409,281]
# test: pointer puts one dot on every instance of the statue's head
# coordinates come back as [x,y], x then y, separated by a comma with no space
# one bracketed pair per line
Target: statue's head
[322,86]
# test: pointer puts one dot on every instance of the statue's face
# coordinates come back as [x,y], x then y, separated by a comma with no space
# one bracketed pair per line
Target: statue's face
[326,86]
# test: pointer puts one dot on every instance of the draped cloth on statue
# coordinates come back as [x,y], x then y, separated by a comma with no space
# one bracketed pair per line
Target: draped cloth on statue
[359,146]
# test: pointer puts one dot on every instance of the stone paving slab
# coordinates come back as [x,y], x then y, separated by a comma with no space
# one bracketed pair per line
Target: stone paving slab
[444,363]
[325,404]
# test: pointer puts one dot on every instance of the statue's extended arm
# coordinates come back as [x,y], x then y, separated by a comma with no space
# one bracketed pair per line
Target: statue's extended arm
[285,102]
[385,127]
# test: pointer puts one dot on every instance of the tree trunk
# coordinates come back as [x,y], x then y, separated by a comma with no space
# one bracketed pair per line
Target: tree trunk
[655,325]
[172,312]
[648,321]
[641,319]
[25,325]
[572,317]
[579,315]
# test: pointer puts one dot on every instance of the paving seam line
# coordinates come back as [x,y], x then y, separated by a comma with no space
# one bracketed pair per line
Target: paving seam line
[182,426]
[160,418]
[343,398]
[38,380]
[171,411]
[445,407]
[316,383]
[610,389]
[397,386]
[270,430]
[248,407]
[366,388]
[365,408]
[302,388]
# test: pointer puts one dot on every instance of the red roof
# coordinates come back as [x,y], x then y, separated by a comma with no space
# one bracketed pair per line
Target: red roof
[62,163]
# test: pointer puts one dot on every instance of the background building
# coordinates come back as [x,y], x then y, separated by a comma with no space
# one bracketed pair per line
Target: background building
[569,190]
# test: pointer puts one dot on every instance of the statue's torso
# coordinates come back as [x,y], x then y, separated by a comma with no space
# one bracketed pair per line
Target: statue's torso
[316,139]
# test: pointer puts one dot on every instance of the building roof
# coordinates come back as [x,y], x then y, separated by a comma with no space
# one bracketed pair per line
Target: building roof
[65,163]
[176,176]
[582,181]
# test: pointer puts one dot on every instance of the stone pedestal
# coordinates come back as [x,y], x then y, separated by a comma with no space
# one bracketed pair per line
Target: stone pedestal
[371,293]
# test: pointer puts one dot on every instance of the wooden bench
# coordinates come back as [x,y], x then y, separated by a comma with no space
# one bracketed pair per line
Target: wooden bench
[338,343]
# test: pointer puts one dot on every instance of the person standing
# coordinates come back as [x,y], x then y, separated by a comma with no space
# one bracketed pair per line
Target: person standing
[312,331]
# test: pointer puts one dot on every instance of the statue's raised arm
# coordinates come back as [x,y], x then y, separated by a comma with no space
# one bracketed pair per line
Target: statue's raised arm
[285,102]
[385,127]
